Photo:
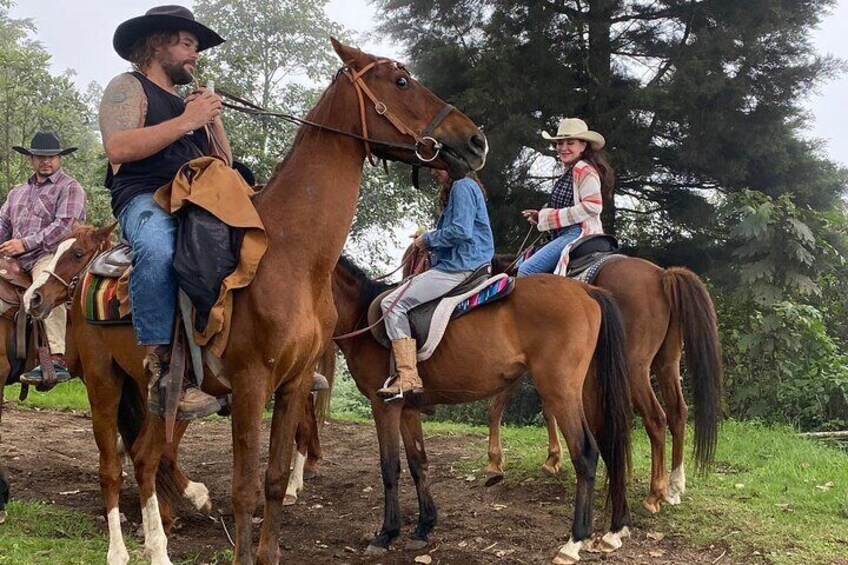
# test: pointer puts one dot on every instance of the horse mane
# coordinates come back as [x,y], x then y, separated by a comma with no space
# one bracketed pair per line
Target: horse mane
[369,288]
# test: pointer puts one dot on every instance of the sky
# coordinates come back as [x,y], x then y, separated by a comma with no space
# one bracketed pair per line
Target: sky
[78,35]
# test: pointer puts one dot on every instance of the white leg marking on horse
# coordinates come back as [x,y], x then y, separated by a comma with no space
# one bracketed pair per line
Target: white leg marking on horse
[676,485]
[155,541]
[569,553]
[198,495]
[44,277]
[117,554]
[612,540]
[295,479]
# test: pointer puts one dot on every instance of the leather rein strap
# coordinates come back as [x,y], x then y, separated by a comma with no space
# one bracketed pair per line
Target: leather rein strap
[424,142]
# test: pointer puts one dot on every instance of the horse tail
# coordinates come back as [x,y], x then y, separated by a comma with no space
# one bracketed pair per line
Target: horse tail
[692,309]
[131,412]
[327,367]
[613,399]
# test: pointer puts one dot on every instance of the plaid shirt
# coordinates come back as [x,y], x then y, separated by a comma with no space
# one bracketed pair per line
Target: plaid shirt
[41,215]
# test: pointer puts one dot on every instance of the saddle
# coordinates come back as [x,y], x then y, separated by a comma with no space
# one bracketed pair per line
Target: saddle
[429,321]
[14,281]
[588,254]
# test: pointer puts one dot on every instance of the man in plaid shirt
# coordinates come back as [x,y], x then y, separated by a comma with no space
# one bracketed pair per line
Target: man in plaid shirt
[36,216]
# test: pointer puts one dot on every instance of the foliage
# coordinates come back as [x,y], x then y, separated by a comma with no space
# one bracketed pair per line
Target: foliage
[693,98]
[31,99]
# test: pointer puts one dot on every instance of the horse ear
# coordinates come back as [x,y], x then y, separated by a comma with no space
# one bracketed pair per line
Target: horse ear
[105,232]
[350,56]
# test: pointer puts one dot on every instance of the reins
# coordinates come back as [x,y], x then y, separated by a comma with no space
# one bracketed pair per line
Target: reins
[422,141]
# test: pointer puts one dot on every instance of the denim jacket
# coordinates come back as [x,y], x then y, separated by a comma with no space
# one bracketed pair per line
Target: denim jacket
[462,240]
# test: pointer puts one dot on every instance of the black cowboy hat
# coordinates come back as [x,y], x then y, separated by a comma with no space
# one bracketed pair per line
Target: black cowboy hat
[44,144]
[162,18]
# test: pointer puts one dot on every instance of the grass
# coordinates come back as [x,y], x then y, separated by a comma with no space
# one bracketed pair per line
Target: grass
[773,497]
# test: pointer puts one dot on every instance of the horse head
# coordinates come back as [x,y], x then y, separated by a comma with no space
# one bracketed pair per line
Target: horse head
[55,285]
[403,121]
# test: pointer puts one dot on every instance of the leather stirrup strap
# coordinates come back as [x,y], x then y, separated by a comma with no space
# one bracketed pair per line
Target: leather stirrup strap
[172,387]
[48,372]
[21,333]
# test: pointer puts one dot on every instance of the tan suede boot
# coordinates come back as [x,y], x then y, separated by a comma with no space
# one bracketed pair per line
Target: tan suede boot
[407,381]
[194,403]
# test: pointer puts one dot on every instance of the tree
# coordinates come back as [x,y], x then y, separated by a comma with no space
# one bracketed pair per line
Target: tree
[278,55]
[696,98]
[31,99]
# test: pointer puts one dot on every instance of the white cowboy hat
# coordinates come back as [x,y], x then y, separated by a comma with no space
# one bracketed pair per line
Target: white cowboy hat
[575,128]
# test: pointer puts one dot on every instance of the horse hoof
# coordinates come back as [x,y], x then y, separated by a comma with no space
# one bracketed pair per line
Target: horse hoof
[569,554]
[673,500]
[552,470]
[493,479]
[2,516]
[652,506]
[375,550]
[206,509]
[415,544]
[289,500]
[309,474]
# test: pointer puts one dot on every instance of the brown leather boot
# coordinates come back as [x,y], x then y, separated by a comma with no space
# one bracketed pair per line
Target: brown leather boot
[194,403]
[405,351]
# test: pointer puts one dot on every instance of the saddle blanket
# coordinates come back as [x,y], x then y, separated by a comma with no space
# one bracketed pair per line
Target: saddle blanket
[101,299]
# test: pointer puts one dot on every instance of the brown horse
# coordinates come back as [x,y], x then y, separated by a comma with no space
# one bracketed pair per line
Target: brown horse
[663,310]
[283,319]
[482,354]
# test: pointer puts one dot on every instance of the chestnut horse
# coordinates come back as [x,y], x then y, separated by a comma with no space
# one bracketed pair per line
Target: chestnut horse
[664,310]
[281,322]
[550,326]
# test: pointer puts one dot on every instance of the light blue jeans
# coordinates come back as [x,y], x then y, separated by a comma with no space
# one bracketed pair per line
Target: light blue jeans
[152,232]
[545,260]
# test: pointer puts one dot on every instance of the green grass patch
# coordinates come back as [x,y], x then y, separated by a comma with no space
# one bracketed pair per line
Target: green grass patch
[38,533]
[66,396]
[772,498]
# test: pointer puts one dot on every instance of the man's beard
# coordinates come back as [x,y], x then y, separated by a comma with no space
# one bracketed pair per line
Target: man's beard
[177,73]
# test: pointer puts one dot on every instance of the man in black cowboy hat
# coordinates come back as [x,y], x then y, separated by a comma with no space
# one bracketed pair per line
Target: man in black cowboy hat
[36,216]
[149,132]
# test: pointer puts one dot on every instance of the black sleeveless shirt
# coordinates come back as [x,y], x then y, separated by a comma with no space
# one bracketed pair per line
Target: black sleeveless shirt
[148,174]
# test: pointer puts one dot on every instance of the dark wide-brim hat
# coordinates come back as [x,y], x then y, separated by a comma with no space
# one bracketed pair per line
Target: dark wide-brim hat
[159,19]
[44,144]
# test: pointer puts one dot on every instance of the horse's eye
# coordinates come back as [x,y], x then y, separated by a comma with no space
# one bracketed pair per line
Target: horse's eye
[401,82]
[79,254]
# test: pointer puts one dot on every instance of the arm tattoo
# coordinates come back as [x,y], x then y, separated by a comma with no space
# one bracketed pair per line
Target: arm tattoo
[123,106]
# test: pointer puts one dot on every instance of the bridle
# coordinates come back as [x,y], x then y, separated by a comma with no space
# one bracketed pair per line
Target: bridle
[71,285]
[424,141]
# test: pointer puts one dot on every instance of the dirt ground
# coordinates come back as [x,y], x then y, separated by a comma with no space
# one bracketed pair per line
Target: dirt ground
[51,456]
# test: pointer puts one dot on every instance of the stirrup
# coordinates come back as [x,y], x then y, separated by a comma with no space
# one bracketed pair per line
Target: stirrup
[388,396]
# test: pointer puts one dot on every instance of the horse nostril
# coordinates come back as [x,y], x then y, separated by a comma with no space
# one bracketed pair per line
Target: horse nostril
[478,143]
[35,300]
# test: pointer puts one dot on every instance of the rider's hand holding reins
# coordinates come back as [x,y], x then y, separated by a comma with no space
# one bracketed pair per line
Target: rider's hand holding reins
[531,215]
[202,107]
[12,247]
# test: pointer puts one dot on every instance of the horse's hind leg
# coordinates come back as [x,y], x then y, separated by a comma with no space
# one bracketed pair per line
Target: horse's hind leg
[4,484]
[667,369]
[653,417]
[416,458]
[566,406]
[307,427]
[195,492]
[552,464]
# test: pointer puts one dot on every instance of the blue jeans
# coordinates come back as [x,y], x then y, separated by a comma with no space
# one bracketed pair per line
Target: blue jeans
[152,232]
[545,259]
